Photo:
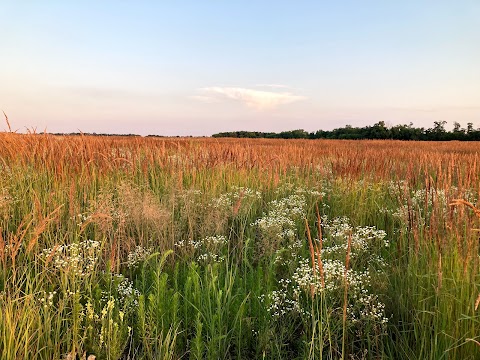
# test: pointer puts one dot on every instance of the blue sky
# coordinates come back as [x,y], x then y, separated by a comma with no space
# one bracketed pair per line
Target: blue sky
[200,67]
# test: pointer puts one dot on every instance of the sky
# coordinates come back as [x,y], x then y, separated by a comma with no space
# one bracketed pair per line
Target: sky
[202,67]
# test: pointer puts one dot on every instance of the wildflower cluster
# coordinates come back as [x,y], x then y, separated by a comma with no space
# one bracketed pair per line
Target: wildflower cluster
[106,318]
[208,249]
[137,256]
[279,303]
[279,221]
[366,241]
[307,282]
[78,258]
[362,305]
[127,294]
[47,299]
[310,192]
[289,188]
[277,228]
[236,197]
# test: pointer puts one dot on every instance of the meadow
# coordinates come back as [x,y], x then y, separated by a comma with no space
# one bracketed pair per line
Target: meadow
[201,248]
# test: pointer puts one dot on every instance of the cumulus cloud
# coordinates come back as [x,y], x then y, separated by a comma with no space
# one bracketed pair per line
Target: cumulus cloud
[255,99]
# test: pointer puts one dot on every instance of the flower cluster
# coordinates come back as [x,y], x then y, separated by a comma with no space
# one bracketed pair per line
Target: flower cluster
[78,258]
[362,304]
[127,294]
[310,192]
[293,206]
[279,221]
[365,240]
[279,303]
[276,224]
[208,249]
[337,228]
[277,228]
[238,195]
[137,256]
[47,299]
[331,279]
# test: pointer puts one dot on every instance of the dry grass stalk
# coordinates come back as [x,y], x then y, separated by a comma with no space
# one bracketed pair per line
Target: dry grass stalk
[456,202]
[2,249]
[318,247]
[40,228]
[477,302]
[468,251]
[475,341]
[16,240]
[97,218]
[51,254]
[312,255]
[439,272]
[8,123]
[71,200]
[238,203]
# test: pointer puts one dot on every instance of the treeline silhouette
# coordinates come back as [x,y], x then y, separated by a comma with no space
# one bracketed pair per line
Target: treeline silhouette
[376,131]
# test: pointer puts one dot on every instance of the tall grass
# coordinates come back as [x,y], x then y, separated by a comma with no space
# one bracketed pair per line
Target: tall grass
[148,248]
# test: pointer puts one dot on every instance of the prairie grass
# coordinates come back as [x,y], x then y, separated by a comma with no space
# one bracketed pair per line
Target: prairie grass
[152,248]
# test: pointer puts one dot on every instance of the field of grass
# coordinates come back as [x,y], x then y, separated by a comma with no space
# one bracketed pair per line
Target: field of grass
[150,248]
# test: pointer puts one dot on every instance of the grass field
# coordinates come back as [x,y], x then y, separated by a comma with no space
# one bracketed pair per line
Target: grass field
[151,248]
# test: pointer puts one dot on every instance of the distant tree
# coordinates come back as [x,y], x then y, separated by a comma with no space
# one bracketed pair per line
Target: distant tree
[438,131]
[439,126]
[377,131]
[469,127]
[456,127]
[458,133]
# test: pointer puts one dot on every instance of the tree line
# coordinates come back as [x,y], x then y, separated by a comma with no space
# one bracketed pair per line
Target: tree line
[376,131]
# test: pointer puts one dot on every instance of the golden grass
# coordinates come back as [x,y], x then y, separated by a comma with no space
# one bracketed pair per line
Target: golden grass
[135,191]
[438,164]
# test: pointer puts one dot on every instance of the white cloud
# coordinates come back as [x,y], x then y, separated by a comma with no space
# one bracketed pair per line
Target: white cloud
[255,99]
[204,98]
[275,86]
